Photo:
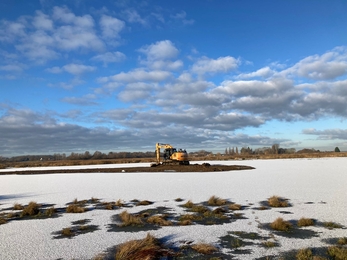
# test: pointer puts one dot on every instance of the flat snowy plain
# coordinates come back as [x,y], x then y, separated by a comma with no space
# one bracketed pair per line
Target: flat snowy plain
[316,188]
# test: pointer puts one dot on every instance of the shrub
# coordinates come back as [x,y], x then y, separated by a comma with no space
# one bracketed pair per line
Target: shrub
[304,222]
[304,254]
[147,248]
[276,202]
[129,219]
[74,208]
[108,206]
[204,248]
[235,206]
[2,221]
[31,210]
[119,203]
[216,201]
[281,225]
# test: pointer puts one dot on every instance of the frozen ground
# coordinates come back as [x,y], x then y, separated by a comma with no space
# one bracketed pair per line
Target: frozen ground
[315,187]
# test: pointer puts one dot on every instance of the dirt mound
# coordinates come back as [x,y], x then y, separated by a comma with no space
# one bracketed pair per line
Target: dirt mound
[205,167]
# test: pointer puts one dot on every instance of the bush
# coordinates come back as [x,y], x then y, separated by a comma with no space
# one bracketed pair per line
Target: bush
[342,241]
[160,220]
[339,253]
[67,232]
[17,206]
[2,221]
[281,225]
[188,204]
[235,206]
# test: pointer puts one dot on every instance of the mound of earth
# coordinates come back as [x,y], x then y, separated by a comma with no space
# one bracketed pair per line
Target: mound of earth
[205,167]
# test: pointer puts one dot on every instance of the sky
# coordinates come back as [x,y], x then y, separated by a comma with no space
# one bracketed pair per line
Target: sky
[89,75]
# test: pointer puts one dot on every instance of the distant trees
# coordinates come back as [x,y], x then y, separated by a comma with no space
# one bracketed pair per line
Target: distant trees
[274,149]
[337,150]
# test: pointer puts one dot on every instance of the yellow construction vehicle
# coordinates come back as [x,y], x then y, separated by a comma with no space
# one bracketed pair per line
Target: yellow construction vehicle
[172,156]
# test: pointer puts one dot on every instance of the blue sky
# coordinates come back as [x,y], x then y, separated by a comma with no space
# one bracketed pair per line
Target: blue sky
[91,75]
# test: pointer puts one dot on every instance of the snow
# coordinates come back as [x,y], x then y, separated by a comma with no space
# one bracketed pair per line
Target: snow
[321,181]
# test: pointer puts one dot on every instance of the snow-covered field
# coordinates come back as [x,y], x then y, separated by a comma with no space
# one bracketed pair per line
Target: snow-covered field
[316,188]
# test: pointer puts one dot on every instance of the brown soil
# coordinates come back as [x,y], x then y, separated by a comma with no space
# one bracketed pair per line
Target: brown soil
[159,168]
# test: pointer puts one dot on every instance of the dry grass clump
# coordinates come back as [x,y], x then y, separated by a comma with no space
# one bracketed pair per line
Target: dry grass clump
[147,249]
[189,204]
[269,244]
[2,221]
[144,203]
[119,203]
[75,208]
[342,241]
[331,225]
[185,222]
[67,232]
[216,201]
[204,248]
[281,225]
[130,219]
[31,210]
[200,209]
[50,212]
[94,200]
[160,220]
[17,206]
[235,206]
[304,254]
[305,222]
[178,200]
[338,253]
[277,202]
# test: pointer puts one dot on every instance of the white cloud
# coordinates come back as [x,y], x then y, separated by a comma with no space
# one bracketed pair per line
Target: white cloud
[265,72]
[77,69]
[134,17]
[54,70]
[42,21]
[141,75]
[111,26]
[160,50]
[87,100]
[181,16]
[109,57]
[220,65]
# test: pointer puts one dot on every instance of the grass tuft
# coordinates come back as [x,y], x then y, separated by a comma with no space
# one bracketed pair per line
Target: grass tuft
[204,248]
[31,210]
[216,201]
[338,253]
[235,206]
[75,208]
[277,202]
[17,206]
[2,221]
[178,200]
[50,212]
[331,225]
[144,203]
[147,248]
[130,219]
[342,241]
[67,232]
[269,244]
[119,203]
[189,204]
[160,220]
[305,222]
[304,254]
[281,225]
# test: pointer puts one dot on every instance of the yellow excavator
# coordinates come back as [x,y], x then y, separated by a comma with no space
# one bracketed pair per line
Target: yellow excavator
[172,156]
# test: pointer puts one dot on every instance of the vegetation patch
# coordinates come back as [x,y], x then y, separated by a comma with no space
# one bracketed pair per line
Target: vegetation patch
[331,225]
[270,244]
[216,201]
[33,209]
[147,248]
[144,203]
[78,227]
[234,242]
[17,206]
[204,248]
[337,252]
[75,208]
[276,201]
[305,222]
[235,206]
[281,225]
